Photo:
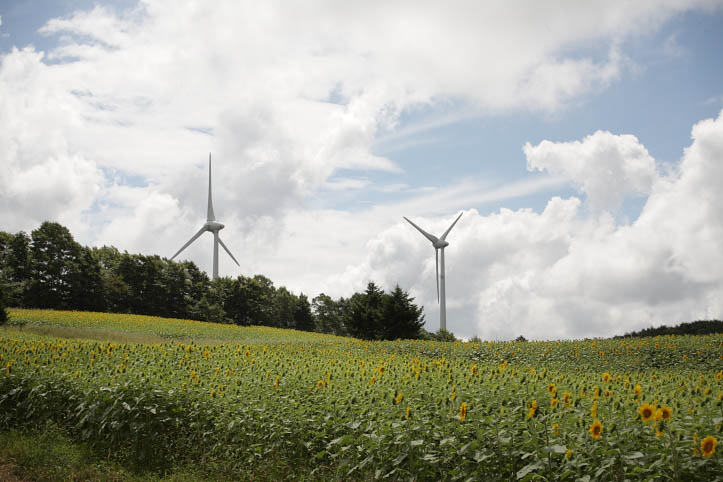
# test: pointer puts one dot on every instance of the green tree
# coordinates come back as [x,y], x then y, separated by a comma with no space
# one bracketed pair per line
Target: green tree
[365,312]
[87,283]
[3,311]
[444,335]
[144,277]
[329,314]
[250,301]
[284,308]
[401,317]
[55,266]
[116,293]
[303,318]
[14,266]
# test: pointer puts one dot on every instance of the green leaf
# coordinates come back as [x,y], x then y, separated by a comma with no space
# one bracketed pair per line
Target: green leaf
[528,468]
[446,441]
[558,449]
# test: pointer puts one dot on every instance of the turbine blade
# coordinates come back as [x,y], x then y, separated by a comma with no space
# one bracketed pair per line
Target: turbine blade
[229,252]
[450,228]
[210,216]
[195,236]
[430,237]
[436,259]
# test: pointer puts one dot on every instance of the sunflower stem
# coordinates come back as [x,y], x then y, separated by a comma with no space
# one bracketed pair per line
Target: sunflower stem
[674,455]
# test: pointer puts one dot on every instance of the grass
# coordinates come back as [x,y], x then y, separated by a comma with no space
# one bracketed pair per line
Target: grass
[49,454]
[70,332]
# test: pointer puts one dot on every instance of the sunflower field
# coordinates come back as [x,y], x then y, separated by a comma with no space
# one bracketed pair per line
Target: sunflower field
[330,408]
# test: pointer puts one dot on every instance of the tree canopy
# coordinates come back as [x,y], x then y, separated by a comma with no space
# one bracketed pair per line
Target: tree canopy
[49,269]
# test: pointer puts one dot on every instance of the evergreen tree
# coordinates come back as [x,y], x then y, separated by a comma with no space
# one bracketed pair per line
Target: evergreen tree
[303,318]
[401,318]
[364,317]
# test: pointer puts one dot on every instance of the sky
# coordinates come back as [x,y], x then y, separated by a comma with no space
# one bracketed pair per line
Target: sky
[582,141]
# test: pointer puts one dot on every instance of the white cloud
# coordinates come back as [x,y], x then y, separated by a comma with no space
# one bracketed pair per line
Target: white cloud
[565,273]
[606,167]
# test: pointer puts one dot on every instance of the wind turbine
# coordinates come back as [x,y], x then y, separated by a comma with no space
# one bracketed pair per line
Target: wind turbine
[439,245]
[211,225]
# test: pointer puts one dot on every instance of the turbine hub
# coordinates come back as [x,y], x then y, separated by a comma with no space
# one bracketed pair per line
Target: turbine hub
[439,244]
[214,226]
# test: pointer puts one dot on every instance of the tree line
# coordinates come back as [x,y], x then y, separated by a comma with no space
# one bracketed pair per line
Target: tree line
[49,269]
[699,327]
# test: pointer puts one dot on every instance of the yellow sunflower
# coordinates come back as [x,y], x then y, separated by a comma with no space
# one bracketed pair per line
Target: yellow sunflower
[664,413]
[463,411]
[707,445]
[647,412]
[596,429]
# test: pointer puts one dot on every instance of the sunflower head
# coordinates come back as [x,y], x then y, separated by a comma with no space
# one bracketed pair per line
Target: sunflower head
[707,445]
[596,429]
[664,413]
[606,377]
[647,412]
[463,411]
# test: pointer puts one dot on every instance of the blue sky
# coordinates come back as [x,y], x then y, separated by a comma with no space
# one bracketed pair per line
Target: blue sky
[329,123]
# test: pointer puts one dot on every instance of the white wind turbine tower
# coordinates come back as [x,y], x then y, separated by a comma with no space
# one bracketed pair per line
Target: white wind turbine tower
[211,225]
[439,245]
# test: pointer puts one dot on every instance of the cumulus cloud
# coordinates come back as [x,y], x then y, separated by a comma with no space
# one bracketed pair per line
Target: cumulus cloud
[566,273]
[42,176]
[606,167]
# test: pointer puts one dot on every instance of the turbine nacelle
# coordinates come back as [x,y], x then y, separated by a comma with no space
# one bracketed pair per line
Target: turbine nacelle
[214,226]
[440,244]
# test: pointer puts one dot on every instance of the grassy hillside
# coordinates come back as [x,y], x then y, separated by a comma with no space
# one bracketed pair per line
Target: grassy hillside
[268,403]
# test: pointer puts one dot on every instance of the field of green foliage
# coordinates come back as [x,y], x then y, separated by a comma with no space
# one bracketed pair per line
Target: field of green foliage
[243,399]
